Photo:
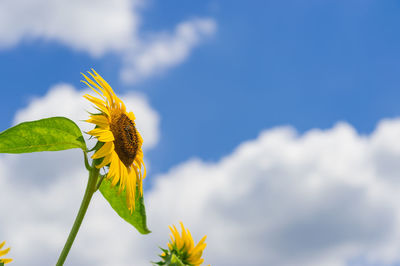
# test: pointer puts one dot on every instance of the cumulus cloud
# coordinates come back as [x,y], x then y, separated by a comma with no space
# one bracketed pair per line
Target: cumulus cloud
[322,198]
[93,26]
[102,27]
[166,50]
[326,197]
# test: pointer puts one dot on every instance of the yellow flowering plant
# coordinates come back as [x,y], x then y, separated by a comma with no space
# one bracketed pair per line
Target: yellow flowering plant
[2,253]
[181,249]
[118,151]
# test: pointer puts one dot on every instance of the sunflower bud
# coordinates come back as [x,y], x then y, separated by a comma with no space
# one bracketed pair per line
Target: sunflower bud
[181,250]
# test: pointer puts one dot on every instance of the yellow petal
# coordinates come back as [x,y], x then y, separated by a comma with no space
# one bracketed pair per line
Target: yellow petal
[178,240]
[171,236]
[131,188]
[107,93]
[100,120]
[101,81]
[123,176]
[102,134]
[105,161]
[114,168]
[138,165]
[99,103]
[107,148]
[202,240]
[198,250]
[190,243]
[94,84]
[4,252]
[131,116]
[106,137]
[5,261]
[93,89]
[183,234]
[193,259]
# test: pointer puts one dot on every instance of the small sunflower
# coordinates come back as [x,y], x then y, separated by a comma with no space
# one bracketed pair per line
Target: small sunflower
[122,144]
[4,252]
[182,247]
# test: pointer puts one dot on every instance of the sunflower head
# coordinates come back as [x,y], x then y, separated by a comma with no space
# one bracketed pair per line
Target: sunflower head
[181,249]
[4,252]
[119,147]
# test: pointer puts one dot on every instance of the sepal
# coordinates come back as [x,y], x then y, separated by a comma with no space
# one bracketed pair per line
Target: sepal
[169,259]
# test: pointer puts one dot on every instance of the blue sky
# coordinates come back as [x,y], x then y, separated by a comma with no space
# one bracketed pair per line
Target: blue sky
[248,71]
[270,63]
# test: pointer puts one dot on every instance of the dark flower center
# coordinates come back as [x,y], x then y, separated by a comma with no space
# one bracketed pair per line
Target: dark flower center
[126,139]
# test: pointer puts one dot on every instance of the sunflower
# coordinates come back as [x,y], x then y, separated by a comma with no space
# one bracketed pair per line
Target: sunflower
[182,247]
[4,252]
[121,150]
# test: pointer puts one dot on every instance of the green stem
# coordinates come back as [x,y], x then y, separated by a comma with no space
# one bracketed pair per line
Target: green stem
[90,189]
[99,182]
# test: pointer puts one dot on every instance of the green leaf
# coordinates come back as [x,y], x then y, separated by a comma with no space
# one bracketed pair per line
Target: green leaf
[49,134]
[118,202]
[1,264]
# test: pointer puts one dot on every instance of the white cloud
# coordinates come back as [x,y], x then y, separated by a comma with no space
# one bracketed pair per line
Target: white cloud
[93,26]
[322,198]
[283,199]
[101,27]
[165,50]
